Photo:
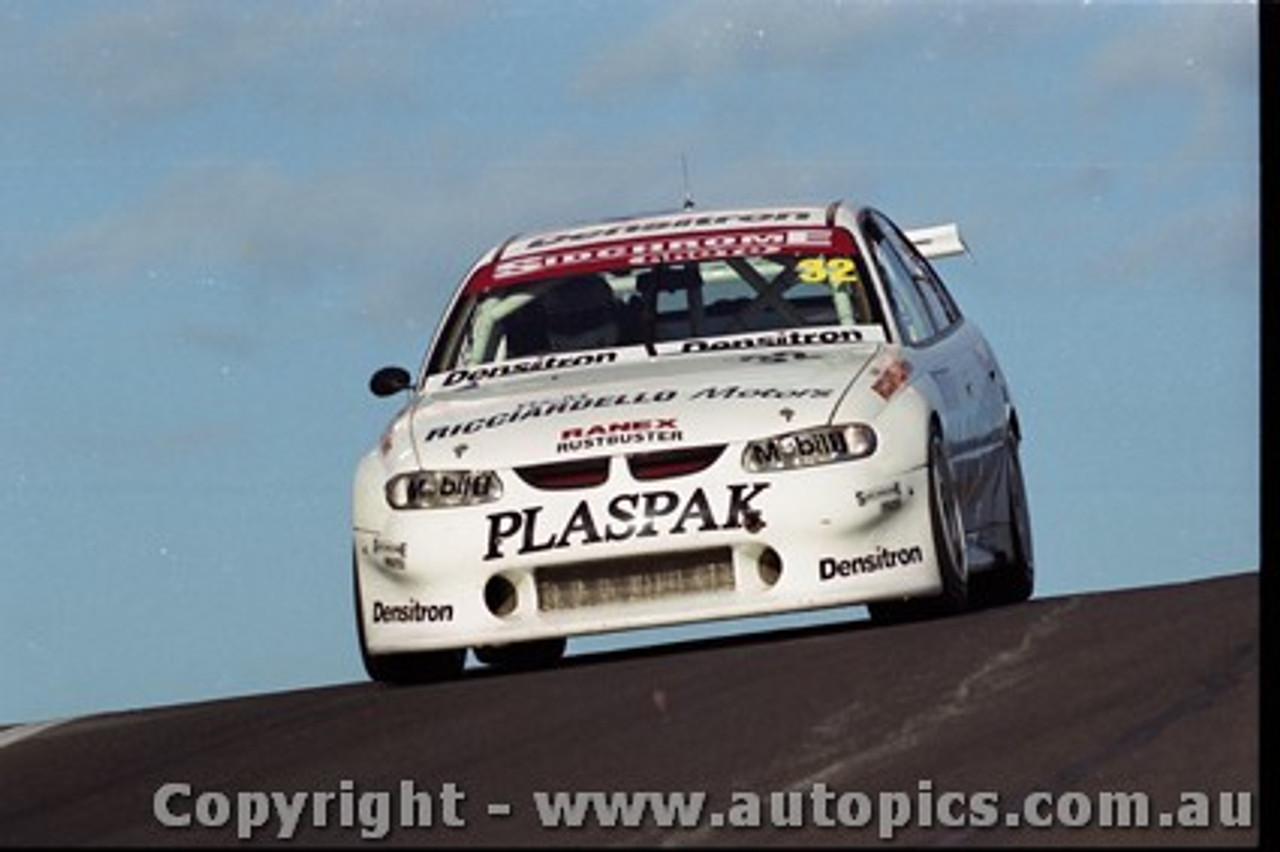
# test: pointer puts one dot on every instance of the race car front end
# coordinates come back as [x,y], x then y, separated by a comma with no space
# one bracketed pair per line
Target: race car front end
[499,513]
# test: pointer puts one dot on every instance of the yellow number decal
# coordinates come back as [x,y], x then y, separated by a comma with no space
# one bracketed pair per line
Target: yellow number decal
[840,270]
[835,271]
[812,270]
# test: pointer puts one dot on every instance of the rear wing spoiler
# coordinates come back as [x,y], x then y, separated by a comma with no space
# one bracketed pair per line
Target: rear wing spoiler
[938,240]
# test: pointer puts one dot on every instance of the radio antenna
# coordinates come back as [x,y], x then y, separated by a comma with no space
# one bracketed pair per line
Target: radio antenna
[688,193]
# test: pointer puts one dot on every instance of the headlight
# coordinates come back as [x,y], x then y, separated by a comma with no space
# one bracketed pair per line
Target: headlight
[809,447]
[438,489]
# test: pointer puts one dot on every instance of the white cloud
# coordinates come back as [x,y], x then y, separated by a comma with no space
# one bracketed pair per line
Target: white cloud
[140,59]
[1204,55]
[251,223]
[697,42]
[1212,45]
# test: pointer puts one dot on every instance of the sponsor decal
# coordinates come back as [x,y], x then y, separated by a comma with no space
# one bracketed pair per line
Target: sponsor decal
[890,495]
[791,337]
[547,408]
[619,433]
[682,222]
[635,515]
[414,612]
[398,547]
[585,402]
[771,453]
[890,378]
[463,485]
[676,249]
[739,392]
[883,559]
[539,365]
[391,553]
[784,356]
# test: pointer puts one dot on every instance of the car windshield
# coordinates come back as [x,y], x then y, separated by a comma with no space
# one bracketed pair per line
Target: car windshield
[663,302]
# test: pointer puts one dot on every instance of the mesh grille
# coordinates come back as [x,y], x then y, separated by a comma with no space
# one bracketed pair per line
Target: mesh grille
[637,579]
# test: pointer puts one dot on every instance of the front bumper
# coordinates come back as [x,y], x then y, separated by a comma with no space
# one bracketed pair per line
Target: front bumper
[642,554]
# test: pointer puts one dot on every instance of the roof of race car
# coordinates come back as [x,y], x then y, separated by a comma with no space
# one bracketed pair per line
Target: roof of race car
[680,221]
[660,238]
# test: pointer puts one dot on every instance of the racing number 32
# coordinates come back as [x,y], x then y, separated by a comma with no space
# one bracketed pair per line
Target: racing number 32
[821,270]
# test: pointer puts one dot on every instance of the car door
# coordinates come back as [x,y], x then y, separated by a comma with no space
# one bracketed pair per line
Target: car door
[944,346]
[986,402]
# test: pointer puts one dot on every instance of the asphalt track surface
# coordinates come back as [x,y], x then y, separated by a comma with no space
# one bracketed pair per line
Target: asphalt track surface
[1152,691]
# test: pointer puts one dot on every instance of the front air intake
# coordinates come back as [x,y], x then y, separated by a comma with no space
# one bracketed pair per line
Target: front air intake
[565,476]
[665,464]
[634,579]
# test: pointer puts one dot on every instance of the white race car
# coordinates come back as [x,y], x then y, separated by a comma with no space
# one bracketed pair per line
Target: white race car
[684,417]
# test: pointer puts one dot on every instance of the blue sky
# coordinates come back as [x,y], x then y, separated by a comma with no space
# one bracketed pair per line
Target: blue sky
[220,217]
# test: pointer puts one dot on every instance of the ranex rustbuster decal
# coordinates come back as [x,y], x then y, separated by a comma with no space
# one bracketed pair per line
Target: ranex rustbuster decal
[619,433]
[682,418]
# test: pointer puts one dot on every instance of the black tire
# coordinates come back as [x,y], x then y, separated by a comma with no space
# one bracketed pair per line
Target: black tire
[415,667]
[404,668]
[1013,580]
[948,541]
[523,655]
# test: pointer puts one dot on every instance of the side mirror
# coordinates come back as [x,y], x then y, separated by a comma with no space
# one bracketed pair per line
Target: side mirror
[389,381]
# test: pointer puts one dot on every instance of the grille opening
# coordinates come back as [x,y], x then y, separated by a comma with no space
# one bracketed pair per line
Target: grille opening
[665,464]
[634,579]
[561,476]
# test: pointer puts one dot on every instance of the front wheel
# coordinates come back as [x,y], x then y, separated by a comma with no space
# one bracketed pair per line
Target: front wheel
[404,667]
[948,544]
[523,655]
[415,666]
